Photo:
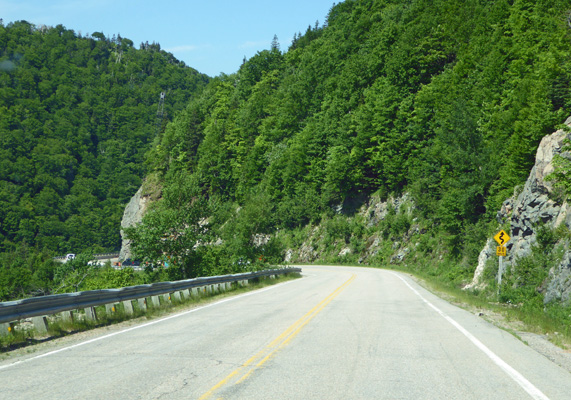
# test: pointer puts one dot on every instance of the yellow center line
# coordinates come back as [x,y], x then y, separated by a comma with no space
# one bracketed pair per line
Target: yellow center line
[281,341]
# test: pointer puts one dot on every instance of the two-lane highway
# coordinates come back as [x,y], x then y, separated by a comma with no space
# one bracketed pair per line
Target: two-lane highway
[337,333]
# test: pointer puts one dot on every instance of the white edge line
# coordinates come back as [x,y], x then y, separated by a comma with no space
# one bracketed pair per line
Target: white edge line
[143,325]
[533,391]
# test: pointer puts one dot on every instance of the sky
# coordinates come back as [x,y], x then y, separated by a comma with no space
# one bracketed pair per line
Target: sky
[212,36]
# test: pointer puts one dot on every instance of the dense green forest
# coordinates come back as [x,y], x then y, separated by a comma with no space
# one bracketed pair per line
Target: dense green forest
[440,103]
[441,100]
[444,100]
[77,115]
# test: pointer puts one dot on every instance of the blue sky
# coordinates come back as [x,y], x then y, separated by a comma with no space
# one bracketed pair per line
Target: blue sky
[212,36]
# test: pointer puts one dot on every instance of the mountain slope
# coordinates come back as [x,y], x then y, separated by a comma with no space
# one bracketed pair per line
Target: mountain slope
[445,100]
[77,115]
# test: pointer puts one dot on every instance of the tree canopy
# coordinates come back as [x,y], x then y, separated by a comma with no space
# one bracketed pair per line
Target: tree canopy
[441,99]
[77,115]
[446,100]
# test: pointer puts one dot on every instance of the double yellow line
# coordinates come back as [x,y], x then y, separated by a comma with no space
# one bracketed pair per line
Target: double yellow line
[241,373]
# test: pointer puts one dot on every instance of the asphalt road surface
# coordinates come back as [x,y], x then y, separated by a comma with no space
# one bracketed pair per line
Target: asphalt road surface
[336,333]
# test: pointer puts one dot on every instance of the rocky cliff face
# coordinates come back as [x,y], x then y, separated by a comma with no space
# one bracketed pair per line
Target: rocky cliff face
[132,215]
[529,210]
[371,213]
[526,211]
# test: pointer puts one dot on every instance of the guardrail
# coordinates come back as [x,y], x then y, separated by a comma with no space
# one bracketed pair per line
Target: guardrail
[41,306]
[95,256]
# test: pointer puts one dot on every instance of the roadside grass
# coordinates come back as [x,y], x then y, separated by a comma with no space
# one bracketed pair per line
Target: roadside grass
[25,334]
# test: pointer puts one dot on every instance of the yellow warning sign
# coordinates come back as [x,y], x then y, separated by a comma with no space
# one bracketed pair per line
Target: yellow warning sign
[501,251]
[502,238]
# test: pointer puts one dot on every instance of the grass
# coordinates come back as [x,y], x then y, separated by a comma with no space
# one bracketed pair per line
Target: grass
[25,334]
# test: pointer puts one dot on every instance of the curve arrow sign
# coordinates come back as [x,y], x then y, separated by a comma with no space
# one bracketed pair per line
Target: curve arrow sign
[502,238]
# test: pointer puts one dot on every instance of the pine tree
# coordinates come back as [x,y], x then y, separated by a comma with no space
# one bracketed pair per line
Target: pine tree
[275,43]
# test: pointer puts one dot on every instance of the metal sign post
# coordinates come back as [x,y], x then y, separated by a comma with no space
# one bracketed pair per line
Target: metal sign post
[500,272]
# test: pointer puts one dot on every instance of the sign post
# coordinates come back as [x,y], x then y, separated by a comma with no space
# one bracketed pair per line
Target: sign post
[502,238]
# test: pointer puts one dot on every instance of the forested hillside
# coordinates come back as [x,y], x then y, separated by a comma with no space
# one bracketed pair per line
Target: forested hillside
[439,104]
[77,115]
[444,100]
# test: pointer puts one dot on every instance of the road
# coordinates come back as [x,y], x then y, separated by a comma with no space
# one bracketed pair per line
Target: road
[336,333]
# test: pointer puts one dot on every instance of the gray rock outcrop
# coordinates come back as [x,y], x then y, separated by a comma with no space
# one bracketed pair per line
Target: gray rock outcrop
[531,209]
[372,213]
[533,206]
[559,284]
[132,215]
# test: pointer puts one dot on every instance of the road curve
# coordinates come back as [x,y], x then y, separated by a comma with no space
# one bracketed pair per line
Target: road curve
[337,333]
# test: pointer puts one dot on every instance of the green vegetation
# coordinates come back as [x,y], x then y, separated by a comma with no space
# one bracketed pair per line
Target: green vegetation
[442,102]
[77,115]
[434,108]
[57,327]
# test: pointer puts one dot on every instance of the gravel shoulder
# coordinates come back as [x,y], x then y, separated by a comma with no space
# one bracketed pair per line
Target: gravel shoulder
[543,346]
